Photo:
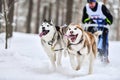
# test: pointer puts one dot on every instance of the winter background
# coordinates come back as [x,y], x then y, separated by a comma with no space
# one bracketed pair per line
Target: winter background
[25,59]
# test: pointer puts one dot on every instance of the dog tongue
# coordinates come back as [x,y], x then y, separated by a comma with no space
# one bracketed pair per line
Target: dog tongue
[41,34]
[73,38]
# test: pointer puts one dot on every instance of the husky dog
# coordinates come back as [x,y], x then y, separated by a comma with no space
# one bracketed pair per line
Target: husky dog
[81,45]
[52,42]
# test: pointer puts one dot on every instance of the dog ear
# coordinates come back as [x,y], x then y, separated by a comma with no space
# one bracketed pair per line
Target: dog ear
[51,22]
[57,28]
[45,20]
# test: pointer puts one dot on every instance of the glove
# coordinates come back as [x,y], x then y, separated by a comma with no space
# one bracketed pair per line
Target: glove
[106,21]
[90,21]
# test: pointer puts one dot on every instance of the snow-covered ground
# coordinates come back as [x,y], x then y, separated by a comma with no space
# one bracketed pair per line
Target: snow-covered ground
[26,60]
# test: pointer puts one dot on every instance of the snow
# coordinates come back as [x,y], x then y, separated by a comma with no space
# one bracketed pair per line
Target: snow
[25,59]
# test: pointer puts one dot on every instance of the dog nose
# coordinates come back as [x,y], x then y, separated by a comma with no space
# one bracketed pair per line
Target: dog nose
[43,28]
[71,32]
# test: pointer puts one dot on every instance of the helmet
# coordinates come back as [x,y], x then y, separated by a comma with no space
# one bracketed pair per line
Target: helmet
[91,1]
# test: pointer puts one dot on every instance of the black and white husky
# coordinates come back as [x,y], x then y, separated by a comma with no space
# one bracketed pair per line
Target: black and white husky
[52,42]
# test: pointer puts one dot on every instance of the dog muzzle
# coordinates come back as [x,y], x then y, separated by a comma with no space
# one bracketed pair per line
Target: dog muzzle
[43,33]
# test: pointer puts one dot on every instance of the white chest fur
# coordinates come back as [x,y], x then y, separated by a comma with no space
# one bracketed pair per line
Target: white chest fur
[80,47]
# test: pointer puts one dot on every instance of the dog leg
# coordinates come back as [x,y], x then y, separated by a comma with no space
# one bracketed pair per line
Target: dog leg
[72,61]
[65,47]
[91,63]
[52,59]
[78,62]
[65,52]
[59,56]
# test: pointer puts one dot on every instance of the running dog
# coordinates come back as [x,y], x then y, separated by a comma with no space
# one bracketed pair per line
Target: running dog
[52,42]
[81,44]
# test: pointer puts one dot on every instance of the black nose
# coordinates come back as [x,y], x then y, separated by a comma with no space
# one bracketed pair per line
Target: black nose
[71,32]
[43,28]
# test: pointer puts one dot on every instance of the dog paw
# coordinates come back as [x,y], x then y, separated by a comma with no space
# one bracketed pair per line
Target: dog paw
[65,53]
[74,68]
[78,68]
[58,64]
[90,72]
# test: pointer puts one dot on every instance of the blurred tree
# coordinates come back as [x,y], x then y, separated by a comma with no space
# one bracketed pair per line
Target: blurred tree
[38,17]
[6,23]
[77,11]
[118,24]
[50,11]
[69,11]
[57,11]
[63,12]
[10,17]
[29,17]
[104,1]
[0,12]
[113,29]
[111,7]
[44,13]
[0,6]
[17,15]
[80,11]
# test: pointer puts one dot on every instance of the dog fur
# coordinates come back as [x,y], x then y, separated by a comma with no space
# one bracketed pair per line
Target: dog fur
[81,45]
[52,42]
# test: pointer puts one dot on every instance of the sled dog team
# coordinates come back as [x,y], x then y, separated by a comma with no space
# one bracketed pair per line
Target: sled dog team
[78,43]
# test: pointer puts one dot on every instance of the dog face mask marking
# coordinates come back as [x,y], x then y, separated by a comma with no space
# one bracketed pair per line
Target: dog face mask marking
[73,33]
[46,28]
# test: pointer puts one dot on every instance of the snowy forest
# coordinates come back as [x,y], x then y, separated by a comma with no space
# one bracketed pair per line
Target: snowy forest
[26,15]
[22,56]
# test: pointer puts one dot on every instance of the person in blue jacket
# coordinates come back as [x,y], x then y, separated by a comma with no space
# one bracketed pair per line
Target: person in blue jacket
[93,12]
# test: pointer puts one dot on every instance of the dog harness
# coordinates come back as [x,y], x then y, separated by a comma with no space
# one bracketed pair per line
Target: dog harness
[76,44]
[52,41]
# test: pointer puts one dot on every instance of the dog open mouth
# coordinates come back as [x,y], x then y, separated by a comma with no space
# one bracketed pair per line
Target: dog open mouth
[73,37]
[44,32]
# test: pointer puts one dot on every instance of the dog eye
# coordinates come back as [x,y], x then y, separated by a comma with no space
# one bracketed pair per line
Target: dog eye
[69,29]
[75,28]
[47,25]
